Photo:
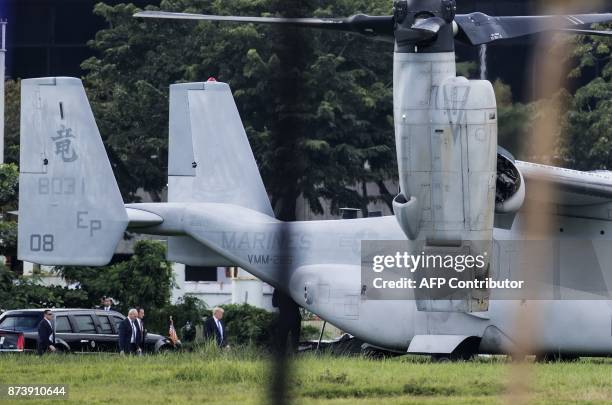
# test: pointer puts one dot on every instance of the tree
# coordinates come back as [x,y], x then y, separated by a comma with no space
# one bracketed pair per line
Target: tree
[12,113]
[316,105]
[9,184]
[249,325]
[515,120]
[20,292]
[587,133]
[145,280]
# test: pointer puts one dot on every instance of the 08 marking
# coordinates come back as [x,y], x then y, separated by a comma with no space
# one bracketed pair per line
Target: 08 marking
[46,243]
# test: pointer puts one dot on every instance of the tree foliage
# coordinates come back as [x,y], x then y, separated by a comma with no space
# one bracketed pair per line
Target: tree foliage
[18,292]
[145,280]
[248,325]
[12,106]
[9,189]
[587,134]
[316,105]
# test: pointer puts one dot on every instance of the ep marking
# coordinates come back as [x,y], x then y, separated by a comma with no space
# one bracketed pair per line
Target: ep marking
[92,224]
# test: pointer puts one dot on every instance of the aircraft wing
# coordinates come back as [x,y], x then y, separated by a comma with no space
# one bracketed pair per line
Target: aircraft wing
[572,187]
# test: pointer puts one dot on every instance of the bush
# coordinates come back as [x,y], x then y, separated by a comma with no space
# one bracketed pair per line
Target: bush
[18,293]
[310,332]
[187,309]
[145,280]
[249,325]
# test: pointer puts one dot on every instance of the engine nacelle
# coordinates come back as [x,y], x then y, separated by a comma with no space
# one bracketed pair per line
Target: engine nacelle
[446,139]
[510,185]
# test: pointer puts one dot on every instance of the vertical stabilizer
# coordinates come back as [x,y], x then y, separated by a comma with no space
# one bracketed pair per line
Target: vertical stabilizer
[70,208]
[210,159]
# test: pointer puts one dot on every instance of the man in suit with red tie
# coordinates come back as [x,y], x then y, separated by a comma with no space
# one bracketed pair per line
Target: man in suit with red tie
[129,334]
[215,329]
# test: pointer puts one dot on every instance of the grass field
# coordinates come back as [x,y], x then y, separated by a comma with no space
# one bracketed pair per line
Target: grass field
[243,377]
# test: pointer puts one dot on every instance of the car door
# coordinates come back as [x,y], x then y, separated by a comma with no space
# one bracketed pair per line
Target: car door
[64,331]
[116,321]
[87,332]
[107,339]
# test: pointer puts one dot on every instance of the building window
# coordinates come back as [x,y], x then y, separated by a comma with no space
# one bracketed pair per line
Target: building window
[193,273]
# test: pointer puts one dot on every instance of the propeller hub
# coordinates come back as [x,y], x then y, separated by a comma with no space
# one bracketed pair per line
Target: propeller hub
[424,26]
[445,9]
[448,11]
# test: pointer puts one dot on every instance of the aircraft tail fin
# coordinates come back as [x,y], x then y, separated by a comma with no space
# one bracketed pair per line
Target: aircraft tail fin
[70,208]
[210,159]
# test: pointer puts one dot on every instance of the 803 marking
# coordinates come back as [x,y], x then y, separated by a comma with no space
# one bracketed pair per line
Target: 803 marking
[59,186]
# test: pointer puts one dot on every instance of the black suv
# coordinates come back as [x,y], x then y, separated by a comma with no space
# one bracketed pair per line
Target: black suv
[77,331]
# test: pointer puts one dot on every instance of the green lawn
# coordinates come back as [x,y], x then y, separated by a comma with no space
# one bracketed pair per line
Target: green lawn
[243,377]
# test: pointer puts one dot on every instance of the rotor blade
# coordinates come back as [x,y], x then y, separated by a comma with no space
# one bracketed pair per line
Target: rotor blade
[479,28]
[587,32]
[422,30]
[379,27]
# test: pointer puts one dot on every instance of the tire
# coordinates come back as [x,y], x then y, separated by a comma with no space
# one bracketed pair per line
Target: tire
[164,349]
[453,357]
[441,358]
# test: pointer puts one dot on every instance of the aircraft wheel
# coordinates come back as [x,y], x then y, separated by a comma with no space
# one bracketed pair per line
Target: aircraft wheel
[453,357]
[441,358]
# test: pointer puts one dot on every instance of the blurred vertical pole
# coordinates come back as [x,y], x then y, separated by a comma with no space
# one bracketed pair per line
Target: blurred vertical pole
[549,75]
[2,77]
[291,46]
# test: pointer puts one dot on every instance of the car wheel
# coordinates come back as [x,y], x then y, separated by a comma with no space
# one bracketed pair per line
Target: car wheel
[165,349]
[61,349]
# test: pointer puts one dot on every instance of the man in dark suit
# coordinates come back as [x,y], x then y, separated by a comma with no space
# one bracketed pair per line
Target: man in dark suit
[142,329]
[46,334]
[215,329]
[107,305]
[129,334]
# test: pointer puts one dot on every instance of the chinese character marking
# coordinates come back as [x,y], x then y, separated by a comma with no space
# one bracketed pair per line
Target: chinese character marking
[63,144]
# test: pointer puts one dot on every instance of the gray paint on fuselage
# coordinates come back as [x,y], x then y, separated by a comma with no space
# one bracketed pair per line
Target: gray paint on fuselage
[325,277]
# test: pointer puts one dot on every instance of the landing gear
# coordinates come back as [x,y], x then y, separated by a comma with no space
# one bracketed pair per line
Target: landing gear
[441,358]
[453,357]
[464,352]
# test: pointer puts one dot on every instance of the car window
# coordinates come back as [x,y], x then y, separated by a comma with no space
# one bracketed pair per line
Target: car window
[21,323]
[62,325]
[85,323]
[105,324]
[117,320]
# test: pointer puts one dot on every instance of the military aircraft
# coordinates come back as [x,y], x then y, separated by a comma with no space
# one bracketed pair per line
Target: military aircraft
[459,194]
